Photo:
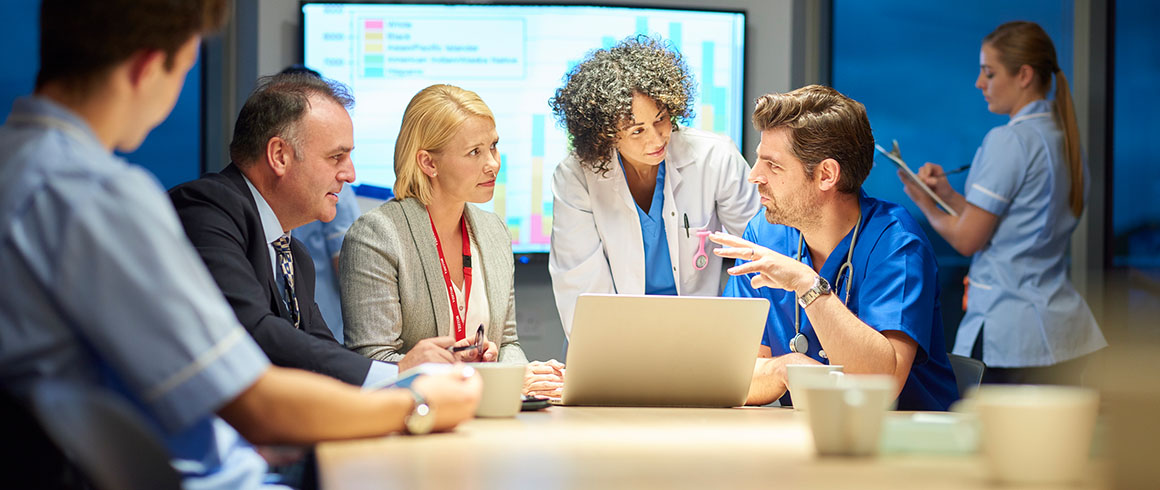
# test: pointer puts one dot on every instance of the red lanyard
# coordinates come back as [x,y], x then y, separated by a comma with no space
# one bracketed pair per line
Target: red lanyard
[460,320]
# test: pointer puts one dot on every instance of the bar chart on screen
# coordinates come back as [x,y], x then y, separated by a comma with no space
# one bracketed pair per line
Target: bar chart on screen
[514,57]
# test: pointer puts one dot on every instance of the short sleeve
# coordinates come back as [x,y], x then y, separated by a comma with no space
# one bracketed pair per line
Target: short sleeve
[899,290]
[144,302]
[997,172]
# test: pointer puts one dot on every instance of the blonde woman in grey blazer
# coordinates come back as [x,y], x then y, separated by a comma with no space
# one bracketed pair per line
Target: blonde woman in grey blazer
[396,291]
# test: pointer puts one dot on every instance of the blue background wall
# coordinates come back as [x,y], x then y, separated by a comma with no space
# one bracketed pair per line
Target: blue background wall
[172,151]
[1136,172]
[913,64]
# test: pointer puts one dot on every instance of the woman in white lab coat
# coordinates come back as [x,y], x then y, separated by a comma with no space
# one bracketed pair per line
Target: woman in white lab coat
[630,199]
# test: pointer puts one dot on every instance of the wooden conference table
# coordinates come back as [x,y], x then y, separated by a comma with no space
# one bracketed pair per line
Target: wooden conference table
[609,447]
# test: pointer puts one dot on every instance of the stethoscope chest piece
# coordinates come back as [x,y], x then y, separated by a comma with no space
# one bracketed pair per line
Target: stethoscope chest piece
[799,343]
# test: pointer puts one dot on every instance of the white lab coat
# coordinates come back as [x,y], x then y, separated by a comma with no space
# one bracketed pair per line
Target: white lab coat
[597,245]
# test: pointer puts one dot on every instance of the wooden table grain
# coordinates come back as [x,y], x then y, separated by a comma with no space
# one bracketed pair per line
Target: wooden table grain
[610,447]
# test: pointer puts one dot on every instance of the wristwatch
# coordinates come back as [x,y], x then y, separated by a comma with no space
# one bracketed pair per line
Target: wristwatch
[422,418]
[821,287]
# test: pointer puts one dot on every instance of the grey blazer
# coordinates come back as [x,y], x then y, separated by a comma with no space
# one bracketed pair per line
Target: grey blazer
[393,293]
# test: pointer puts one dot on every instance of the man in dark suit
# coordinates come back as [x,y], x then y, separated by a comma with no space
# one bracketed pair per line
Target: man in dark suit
[291,153]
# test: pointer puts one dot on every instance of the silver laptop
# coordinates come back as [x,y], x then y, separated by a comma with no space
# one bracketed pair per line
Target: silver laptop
[684,351]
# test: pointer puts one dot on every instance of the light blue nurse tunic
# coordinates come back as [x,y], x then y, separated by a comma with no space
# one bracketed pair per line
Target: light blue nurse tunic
[1019,287]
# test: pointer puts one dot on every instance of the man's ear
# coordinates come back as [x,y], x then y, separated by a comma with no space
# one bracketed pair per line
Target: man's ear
[145,63]
[827,174]
[426,163]
[279,154]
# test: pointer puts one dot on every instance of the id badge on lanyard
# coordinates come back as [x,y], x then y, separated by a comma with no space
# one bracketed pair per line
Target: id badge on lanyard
[459,320]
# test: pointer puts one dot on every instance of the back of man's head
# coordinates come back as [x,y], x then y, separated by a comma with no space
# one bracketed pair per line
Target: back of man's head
[822,124]
[81,40]
[274,110]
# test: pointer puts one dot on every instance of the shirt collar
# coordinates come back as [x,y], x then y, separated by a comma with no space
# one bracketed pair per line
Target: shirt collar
[42,111]
[271,227]
[1033,107]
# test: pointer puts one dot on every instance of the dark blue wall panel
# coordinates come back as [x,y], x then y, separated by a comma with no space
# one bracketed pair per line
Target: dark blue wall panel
[172,151]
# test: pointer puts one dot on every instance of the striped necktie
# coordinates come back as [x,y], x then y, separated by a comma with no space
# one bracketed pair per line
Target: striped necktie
[286,266]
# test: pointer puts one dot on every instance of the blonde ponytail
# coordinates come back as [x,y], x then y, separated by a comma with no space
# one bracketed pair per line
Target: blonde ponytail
[1026,43]
[1065,116]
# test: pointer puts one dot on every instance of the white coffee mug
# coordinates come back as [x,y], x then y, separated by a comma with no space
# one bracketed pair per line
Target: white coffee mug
[502,387]
[846,418]
[1036,434]
[814,374]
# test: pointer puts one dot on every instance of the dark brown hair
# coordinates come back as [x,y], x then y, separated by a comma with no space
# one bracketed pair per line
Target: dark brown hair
[822,124]
[80,40]
[274,109]
[1025,43]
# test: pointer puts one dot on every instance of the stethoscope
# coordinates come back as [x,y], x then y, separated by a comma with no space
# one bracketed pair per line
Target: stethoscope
[799,343]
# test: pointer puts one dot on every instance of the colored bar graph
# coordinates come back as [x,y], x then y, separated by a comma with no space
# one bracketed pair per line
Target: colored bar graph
[675,33]
[541,228]
[712,96]
[642,25]
[373,48]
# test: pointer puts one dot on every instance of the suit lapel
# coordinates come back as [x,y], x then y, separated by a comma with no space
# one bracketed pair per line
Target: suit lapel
[419,223]
[260,252]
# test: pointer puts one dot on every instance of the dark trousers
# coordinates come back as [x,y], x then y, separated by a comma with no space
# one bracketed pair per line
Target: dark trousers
[1064,373]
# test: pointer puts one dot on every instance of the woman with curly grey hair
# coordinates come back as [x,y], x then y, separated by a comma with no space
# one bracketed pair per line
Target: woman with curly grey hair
[636,190]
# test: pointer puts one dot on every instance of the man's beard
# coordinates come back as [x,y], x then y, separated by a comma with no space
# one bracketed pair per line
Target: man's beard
[797,211]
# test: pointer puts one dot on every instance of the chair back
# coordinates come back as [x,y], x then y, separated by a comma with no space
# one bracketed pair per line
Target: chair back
[103,436]
[968,372]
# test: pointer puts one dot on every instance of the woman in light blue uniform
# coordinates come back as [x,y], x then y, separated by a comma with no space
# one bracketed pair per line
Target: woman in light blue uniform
[1024,195]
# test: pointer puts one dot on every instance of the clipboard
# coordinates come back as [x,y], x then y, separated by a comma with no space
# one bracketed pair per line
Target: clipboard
[896,157]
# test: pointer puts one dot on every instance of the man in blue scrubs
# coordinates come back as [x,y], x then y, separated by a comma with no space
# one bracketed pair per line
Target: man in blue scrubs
[852,280]
[100,287]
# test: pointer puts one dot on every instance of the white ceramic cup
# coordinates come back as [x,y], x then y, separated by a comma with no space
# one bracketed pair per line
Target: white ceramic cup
[502,387]
[846,417]
[1036,434]
[797,374]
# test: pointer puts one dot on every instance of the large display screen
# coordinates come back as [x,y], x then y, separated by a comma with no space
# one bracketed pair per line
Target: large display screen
[514,57]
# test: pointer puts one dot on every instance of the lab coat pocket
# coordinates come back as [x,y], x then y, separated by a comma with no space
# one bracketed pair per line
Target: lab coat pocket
[691,249]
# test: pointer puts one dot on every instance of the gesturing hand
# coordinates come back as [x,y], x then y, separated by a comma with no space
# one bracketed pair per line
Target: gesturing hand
[773,269]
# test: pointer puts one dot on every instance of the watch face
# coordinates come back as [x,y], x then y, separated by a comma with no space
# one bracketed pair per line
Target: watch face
[421,420]
[823,285]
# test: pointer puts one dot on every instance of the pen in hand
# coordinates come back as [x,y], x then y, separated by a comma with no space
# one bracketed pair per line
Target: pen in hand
[964,168]
[462,348]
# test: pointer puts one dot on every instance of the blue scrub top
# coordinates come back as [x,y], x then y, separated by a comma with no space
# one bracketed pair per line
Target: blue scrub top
[658,264]
[895,287]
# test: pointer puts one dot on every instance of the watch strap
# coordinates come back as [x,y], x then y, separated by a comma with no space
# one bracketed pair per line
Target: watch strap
[821,287]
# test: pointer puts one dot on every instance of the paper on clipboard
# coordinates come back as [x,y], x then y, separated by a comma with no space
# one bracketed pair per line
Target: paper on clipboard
[896,157]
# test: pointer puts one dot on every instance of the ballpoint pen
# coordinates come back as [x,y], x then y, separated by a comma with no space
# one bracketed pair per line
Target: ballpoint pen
[964,168]
[478,344]
[687,235]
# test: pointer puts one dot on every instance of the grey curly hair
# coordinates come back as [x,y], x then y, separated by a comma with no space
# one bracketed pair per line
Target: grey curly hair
[596,99]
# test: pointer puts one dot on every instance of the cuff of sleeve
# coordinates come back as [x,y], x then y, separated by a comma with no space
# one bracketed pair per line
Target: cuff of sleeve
[986,199]
[380,374]
[920,354]
[215,378]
